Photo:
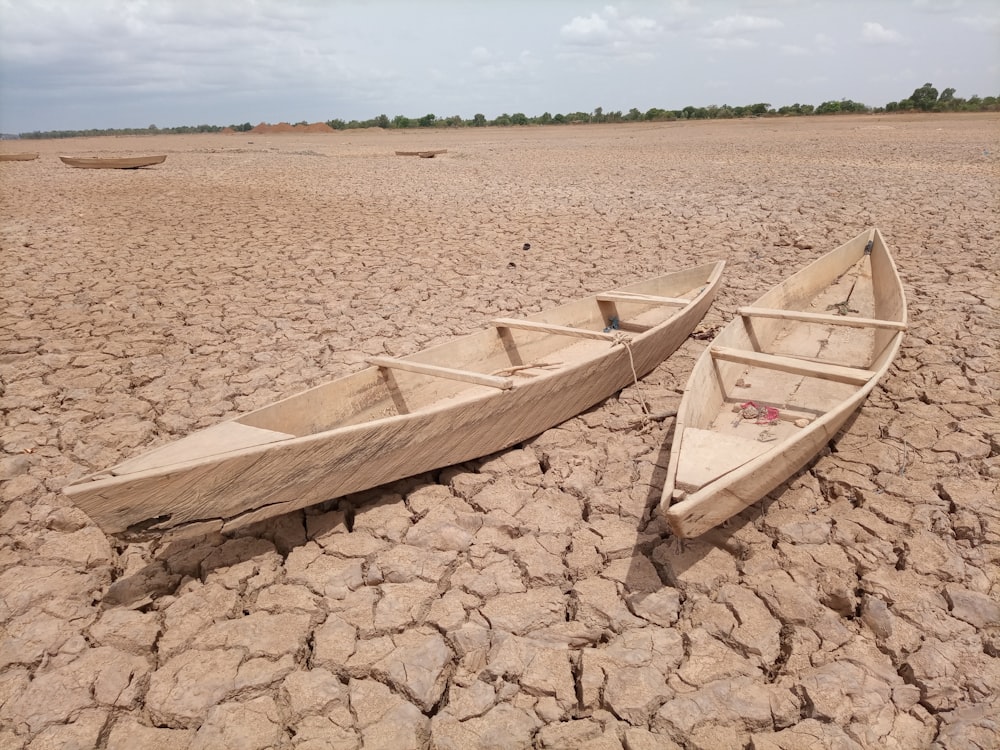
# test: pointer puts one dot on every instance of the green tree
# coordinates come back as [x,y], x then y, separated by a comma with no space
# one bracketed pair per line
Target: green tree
[401,121]
[382,121]
[846,105]
[925,97]
[479,120]
[653,114]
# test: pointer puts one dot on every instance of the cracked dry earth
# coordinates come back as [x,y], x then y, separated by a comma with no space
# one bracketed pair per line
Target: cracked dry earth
[533,598]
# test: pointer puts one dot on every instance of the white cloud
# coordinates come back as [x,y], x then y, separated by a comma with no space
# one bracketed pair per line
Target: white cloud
[592,30]
[987,23]
[724,44]
[793,50]
[481,56]
[732,25]
[938,6]
[725,34]
[612,33]
[823,43]
[494,67]
[876,33]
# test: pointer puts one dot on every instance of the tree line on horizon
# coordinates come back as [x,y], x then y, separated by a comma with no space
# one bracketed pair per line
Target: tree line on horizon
[923,99]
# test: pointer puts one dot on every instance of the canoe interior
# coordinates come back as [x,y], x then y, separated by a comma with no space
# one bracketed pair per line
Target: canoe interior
[716,439]
[378,393]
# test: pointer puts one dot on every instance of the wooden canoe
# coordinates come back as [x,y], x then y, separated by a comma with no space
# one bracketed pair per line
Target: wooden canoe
[115,162]
[18,157]
[423,154]
[803,358]
[460,400]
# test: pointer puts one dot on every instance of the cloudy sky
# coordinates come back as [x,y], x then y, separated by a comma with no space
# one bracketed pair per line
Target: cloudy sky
[75,64]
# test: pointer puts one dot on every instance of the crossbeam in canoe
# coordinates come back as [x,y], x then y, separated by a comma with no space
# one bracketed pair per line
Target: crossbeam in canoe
[807,317]
[534,325]
[647,299]
[821,370]
[448,373]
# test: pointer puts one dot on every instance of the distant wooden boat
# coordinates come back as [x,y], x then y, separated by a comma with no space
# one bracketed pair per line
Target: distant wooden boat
[18,157]
[460,400]
[112,162]
[423,154]
[780,380]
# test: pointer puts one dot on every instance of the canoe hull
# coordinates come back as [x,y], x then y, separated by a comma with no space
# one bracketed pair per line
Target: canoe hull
[125,162]
[692,506]
[423,154]
[225,492]
[18,157]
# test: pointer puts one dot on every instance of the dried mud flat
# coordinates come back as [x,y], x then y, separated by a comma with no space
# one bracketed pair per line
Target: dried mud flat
[532,598]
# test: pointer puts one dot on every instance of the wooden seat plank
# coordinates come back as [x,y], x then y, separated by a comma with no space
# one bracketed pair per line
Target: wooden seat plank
[823,371]
[807,317]
[449,373]
[648,299]
[533,325]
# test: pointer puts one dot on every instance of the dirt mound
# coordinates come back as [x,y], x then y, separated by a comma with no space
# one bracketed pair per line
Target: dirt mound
[284,127]
[316,127]
[268,129]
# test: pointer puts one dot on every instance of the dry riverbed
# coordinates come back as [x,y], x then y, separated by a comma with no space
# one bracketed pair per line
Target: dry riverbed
[532,598]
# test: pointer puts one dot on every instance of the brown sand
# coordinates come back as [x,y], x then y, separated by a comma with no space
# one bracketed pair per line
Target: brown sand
[530,598]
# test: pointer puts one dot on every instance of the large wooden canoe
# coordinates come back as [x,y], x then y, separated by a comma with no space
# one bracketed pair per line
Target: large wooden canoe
[780,380]
[23,156]
[460,400]
[112,162]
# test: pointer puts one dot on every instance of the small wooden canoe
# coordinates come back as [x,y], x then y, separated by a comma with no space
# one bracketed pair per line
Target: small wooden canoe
[423,154]
[780,380]
[24,156]
[115,162]
[460,400]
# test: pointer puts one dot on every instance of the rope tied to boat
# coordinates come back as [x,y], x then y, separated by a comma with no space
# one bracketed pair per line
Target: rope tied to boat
[625,340]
